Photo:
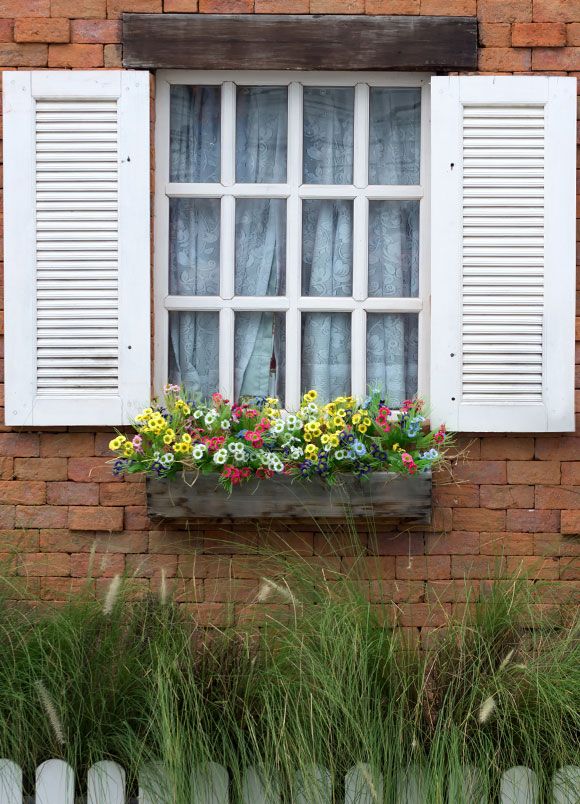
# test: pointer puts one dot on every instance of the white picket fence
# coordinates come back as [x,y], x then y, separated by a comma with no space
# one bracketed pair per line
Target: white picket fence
[210,785]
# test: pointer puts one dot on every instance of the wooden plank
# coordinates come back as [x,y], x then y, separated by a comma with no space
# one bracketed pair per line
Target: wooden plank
[257,789]
[10,782]
[299,42]
[362,785]
[154,787]
[380,495]
[313,786]
[106,783]
[566,785]
[55,783]
[210,784]
[519,785]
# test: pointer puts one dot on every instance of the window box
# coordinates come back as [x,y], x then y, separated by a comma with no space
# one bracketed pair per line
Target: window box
[381,495]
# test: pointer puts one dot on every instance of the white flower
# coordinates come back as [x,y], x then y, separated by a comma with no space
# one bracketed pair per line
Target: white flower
[198,414]
[293,422]
[167,459]
[295,453]
[225,424]
[198,452]
[340,454]
[210,418]
[486,709]
[233,447]
[221,456]
[277,427]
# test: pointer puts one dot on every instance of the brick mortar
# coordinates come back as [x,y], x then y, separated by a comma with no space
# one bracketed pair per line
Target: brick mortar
[515,504]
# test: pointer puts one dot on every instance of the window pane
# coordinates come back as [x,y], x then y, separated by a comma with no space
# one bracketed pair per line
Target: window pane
[260,247]
[328,135]
[261,134]
[326,354]
[259,354]
[194,133]
[392,353]
[194,246]
[194,351]
[395,136]
[327,248]
[393,248]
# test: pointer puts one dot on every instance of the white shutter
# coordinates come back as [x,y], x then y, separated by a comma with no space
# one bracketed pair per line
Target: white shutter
[77,264]
[503,252]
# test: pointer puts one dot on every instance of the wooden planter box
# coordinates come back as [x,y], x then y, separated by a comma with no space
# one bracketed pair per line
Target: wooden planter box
[380,494]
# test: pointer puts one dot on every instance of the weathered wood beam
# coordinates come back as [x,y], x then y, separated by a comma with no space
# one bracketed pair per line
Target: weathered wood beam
[299,42]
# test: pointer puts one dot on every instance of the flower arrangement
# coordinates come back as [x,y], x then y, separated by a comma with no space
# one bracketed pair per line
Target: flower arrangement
[256,439]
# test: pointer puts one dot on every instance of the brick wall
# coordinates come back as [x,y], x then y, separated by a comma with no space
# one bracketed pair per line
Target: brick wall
[514,503]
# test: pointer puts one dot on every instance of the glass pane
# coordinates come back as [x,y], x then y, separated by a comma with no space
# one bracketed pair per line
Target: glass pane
[393,248]
[326,354]
[327,248]
[194,246]
[260,247]
[328,135]
[395,136]
[392,354]
[259,355]
[194,133]
[194,351]
[261,134]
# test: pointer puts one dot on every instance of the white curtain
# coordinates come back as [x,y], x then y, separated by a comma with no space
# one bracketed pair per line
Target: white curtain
[261,148]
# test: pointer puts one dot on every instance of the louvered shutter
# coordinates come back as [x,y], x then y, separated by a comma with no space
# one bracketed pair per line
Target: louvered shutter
[77,265]
[503,252]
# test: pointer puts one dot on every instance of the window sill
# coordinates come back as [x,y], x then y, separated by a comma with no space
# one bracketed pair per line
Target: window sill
[383,495]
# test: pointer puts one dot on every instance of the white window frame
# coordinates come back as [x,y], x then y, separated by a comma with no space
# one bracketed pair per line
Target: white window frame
[293,303]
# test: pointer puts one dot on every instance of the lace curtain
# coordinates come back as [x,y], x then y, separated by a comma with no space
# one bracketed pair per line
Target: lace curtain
[260,239]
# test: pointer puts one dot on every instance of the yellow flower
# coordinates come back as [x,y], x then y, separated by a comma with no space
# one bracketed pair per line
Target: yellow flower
[396,448]
[186,438]
[147,412]
[310,396]
[356,418]
[128,450]
[168,438]
[340,400]
[333,441]
[272,401]
[338,422]
[325,438]
[367,421]
[140,418]
[115,444]
[362,428]
[307,436]
[311,451]
[177,448]
[185,447]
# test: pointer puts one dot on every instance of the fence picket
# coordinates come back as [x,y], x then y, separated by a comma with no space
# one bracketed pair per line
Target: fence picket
[210,784]
[106,782]
[10,782]
[313,787]
[566,785]
[257,789]
[362,785]
[154,784]
[55,783]
[519,785]
[411,788]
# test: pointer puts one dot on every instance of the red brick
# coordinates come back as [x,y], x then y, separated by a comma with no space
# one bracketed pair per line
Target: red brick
[480,567]
[180,6]
[555,544]
[478,519]
[454,495]
[19,445]
[500,11]
[18,492]
[450,8]
[45,564]
[398,591]
[6,30]
[66,445]
[94,470]
[6,468]
[533,567]
[392,7]
[40,468]
[370,567]
[40,516]
[452,591]
[538,34]
[423,614]
[94,32]
[136,518]
[104,565]
[456,542]
[442,519]
[570,569]
[87,518]
[571,522]
[337,6]
[146,566]
[396,544]
[557,10]
[530,521]
[564,58]
[504,59]
[42,30]
[423,567]
[233,590]
[18,55]
[79,9]
[495,34]
[25,8]
[81,57]
[532,472]
[509,544]
[507,496]
[481,472]
[113,56]
[513,448]
[7,515]
[571,474]
[226,6]
[122,494]
[557,448]
[18,541]
[72,493]
[64,588]
[573,33]
[281,6]
[557,497]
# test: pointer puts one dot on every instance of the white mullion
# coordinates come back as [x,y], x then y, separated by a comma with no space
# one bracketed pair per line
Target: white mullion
[161,222]
[361,135]
[423,368]
[328,191]
[294,247]
[328,304]
[228,133]
[394,192]
[207,190]
[358,353]
[226,352]
[360,248]
[384,304]
[227,246]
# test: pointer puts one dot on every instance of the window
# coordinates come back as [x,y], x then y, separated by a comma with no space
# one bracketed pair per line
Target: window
[291,218]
